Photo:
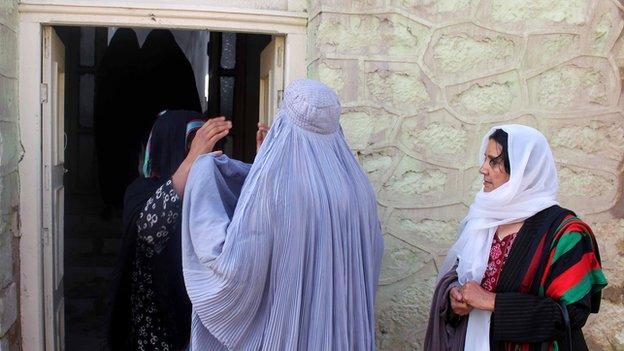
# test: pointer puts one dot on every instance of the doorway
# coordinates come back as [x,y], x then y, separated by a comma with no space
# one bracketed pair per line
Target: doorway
[41,240]
[226,68]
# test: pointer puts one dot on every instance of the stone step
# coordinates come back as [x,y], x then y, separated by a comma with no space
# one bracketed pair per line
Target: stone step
[84,273]
[78,226]
[85,340]
[82,309]
[81,245]
[78,276]
[93,288]
[85,324]
[92,246]
[83,202]
[90,260]
[111,246]
[92,240]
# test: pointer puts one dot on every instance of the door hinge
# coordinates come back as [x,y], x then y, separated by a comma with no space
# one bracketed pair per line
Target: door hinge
[46,177]
[46,43]
[280,97]
[280,56]
[45,236]
[43,93]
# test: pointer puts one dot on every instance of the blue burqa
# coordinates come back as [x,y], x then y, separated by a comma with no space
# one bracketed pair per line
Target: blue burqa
[284,254]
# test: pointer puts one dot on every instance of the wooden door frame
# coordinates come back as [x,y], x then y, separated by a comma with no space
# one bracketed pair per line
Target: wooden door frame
[32,19]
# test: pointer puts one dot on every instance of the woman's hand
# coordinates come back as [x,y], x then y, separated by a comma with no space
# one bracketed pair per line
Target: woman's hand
[204,141]
[477,297]
[207,137]
[263,129]
[459,307]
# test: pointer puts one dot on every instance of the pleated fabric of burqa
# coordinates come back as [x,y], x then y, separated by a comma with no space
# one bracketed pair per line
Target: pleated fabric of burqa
[284,255]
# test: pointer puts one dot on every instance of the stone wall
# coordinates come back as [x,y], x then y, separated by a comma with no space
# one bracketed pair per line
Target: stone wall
[10,152]
[422,81]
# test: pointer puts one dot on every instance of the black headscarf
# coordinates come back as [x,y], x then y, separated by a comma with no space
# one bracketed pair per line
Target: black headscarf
[168,148]
[167,78]
[117,147]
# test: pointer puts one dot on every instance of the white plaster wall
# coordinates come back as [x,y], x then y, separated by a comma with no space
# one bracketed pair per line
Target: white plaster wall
[10,153]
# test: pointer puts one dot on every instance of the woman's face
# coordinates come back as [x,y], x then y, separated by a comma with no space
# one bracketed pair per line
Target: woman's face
[493,167]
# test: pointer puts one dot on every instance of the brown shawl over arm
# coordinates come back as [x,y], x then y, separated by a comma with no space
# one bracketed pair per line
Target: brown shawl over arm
[442,333]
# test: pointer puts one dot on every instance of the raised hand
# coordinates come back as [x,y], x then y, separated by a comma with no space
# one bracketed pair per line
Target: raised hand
[263,129]
[207,136]
[204,141]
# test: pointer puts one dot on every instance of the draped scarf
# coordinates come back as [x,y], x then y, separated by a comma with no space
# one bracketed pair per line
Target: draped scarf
[531,188]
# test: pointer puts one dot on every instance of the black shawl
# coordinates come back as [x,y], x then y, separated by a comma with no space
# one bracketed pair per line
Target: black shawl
[524,312]
[167,78]
[168,149]
[117,126]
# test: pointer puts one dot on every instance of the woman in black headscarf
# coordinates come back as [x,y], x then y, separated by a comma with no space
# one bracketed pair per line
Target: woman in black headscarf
[115,105]
[167,78]
[150,309]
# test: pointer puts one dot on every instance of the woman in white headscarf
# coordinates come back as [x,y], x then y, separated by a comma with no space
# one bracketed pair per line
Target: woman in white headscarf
[524,273]
[290,259]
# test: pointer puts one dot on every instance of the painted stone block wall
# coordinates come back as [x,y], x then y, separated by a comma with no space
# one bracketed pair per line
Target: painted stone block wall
[10,153]
[422,81]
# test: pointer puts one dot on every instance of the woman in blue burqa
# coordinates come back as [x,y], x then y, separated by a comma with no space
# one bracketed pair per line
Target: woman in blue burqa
[284,254]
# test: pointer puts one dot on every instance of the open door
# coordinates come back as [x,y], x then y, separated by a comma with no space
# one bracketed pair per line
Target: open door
[271,79]
[53,157]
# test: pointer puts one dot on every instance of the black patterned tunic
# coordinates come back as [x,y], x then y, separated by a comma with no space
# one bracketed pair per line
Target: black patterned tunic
[159,219]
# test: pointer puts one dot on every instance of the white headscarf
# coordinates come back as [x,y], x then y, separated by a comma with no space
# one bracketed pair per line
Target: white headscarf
[532,187]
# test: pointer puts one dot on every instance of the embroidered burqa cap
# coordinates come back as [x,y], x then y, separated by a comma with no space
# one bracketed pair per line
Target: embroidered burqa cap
[285,254]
